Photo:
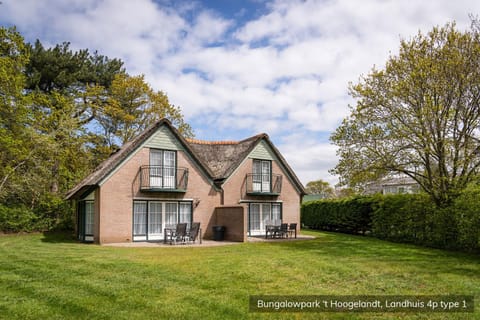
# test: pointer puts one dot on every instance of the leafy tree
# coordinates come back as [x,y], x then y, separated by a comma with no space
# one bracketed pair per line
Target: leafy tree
[419,116]
[52,103]
[14,116]
[320,187]
[131,106]
[63,85]
[73,74]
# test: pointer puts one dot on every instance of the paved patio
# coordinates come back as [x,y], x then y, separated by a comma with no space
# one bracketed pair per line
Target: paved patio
[205,243]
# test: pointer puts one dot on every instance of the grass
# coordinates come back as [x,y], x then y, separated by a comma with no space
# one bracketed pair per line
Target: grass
[52,277]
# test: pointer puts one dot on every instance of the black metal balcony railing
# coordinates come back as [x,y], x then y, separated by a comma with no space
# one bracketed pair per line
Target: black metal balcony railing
[264,184]
[163,178]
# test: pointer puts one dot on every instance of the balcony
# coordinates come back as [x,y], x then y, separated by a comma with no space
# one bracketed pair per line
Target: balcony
[163,179]
[264,184]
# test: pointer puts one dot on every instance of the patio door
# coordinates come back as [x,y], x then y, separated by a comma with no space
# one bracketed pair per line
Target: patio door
[162,168]
[155,221]
[150,218]
[262,214]
[85,220]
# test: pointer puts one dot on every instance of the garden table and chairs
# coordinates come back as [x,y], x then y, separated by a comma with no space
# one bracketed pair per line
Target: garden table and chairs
[278,231]
[179,234]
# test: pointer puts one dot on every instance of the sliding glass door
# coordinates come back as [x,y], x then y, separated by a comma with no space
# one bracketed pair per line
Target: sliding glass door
[150,218]
[262,214]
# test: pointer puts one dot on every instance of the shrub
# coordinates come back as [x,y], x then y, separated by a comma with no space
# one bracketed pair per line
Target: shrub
[402,217]
[466,214]
[16,219]
[345,215]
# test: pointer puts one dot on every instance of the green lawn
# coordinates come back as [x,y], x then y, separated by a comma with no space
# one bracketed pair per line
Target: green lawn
[53,277]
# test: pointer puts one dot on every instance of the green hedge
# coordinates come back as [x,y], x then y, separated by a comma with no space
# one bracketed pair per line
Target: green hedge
[348,215]
[402,218]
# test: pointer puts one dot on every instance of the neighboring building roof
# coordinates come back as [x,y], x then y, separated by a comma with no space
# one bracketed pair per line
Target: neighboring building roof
[217,159]
[397,180]
[312,197]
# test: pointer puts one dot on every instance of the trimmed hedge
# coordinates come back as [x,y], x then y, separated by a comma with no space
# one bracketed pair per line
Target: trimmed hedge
[346,215]
[408,218]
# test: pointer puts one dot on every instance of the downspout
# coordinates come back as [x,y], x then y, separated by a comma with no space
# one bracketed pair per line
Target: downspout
[218,184]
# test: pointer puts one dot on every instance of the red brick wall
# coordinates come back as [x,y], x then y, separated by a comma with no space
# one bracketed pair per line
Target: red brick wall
[234,218]
[114,199]
[119,191]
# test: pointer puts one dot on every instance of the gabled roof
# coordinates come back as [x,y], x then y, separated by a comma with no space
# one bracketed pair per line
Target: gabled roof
[223,157]
[110,164]
[217,159]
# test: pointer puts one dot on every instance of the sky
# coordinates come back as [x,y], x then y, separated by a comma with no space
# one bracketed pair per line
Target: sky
[242,67]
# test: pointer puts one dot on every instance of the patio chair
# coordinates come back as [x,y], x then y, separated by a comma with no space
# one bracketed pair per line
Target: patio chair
[192,234]
[179,234]
[292,229]
[283,232]
[270,229]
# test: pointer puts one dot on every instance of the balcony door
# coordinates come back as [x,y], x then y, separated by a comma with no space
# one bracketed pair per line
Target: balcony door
[162,168]
[262,173]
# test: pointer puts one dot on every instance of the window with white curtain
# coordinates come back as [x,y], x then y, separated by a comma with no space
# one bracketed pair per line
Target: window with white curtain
[185,214]
[262,214]
[150,218]
[155,217]
[254,216]
[162,168]
[262,175]
[171,215]
[89,215]
[139,218]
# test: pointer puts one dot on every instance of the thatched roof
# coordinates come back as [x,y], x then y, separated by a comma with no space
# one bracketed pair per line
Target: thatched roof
[217,159]
[222,157]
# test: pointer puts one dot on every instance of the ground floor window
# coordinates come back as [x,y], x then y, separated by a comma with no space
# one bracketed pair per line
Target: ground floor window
[263,214]
[85,220]
[150,218]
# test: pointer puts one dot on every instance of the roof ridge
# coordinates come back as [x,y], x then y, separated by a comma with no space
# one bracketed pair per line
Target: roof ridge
[255,137]
[198,141]
[225,142]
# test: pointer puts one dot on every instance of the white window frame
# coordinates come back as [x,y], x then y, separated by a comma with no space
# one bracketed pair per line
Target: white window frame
[261,214]
[262,175]
[165,214]
[163,165]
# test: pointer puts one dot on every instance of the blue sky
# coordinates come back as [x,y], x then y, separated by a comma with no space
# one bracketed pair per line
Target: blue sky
[238,68]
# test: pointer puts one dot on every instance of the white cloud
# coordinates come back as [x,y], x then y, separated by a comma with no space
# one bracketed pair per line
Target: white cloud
[285,73]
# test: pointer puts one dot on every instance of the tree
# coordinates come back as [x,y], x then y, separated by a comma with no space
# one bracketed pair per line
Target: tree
[131,106]
[320,187]
[63,85]
[419,116]
[14,116]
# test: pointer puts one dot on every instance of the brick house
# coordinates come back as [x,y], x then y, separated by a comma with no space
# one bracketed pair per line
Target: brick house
[160,179]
